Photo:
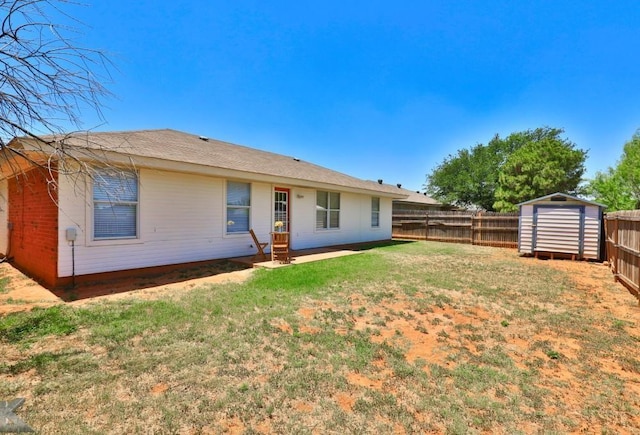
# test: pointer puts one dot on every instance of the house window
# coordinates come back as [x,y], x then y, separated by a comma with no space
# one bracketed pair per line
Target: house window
[115,205]
[375,212]
[238,207]
[327,210]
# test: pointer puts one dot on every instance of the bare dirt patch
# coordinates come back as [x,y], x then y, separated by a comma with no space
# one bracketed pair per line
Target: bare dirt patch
[430,335]
[23,293]
[407,355]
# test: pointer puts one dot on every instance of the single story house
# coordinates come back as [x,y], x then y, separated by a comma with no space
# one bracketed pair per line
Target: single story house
[140,199]
[415,202]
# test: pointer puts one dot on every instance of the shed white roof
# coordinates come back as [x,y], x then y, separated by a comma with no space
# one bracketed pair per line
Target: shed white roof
[558,196]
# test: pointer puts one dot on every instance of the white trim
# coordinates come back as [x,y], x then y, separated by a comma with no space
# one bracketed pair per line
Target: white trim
[90,240]
[377,211]
[329,209]
[225,233]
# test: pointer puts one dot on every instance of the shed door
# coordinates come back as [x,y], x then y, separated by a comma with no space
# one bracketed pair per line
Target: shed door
[558,229]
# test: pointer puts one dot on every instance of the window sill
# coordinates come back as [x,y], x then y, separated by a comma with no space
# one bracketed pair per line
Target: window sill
[115,242]
[238,234]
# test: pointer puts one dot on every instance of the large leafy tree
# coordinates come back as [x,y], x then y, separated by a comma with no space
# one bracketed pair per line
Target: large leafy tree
[542,166]
[629,167]
[610,189]
[472,177]
[619,188]
[466,179]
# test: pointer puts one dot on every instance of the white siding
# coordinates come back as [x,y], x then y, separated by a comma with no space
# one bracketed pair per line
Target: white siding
[558,228]
[592,228]
[525,228]
[355,220]
[182,219]
[4,210]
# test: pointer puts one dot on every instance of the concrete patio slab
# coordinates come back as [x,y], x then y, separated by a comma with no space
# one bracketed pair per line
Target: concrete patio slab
[301,258]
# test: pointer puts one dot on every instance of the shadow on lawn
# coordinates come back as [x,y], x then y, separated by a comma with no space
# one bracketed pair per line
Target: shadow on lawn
[155,277]
[125,281]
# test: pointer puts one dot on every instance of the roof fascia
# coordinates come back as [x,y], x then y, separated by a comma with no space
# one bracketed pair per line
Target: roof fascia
[119,159]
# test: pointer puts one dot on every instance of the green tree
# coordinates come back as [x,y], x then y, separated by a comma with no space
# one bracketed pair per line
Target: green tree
[542,166]
[629,167]
[610,189]
[472,177]
[466,179]
[619,188]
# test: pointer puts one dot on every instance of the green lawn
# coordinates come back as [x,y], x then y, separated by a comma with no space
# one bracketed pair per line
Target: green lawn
[405,338]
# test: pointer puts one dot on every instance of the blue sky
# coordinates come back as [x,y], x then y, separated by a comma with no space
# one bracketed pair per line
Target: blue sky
[373,89]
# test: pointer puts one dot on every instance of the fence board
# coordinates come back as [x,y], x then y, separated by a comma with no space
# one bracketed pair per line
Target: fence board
[622,230]
[478,228]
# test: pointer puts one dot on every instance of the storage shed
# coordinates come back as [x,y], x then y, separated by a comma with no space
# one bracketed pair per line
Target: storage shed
[560,224]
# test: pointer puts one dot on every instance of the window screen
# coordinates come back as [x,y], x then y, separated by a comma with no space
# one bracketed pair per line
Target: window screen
[238,206]
[115,205]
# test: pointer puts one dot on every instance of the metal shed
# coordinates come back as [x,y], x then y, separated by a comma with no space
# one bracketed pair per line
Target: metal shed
[560,224]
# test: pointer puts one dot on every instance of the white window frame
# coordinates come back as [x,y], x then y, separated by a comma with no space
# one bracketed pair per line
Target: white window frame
[328,210]
[114,200]
[229,221]
[375,212]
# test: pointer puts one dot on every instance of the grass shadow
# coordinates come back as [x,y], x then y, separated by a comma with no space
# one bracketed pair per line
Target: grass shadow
[145,278]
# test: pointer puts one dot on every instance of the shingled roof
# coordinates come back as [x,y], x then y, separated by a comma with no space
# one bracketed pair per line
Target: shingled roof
[172,145]
[417,198]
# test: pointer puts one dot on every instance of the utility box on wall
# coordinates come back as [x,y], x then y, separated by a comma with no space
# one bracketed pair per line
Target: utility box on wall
[560,224]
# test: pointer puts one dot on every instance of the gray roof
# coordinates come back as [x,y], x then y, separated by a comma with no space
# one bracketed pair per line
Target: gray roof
[417,198]
[558,196]
[172,145]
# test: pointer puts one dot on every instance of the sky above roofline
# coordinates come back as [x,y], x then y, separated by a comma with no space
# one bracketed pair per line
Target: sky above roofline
[373,89]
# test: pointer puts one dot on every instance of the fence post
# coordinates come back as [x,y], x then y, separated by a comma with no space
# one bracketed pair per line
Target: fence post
[426,226]
[638,282]
[615,247]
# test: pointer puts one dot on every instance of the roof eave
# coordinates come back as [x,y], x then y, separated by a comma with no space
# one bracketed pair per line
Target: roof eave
[567,196]
[119,158]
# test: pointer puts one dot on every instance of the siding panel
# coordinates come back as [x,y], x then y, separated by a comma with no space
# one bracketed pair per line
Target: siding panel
[182,219]
[558,230]
[526,230]
[559,226]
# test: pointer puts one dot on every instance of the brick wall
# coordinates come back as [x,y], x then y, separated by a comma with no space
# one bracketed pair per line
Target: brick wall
[33,223]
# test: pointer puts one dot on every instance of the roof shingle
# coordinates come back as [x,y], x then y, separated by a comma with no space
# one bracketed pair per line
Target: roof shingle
[172,145]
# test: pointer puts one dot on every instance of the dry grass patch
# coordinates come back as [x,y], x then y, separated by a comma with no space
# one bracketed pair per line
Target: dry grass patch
[418,337]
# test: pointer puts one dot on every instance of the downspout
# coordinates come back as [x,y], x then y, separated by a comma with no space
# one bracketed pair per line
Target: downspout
[71,234]
[73,264]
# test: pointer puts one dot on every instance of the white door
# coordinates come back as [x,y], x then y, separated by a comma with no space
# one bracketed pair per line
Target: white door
[558,229]
[281,208]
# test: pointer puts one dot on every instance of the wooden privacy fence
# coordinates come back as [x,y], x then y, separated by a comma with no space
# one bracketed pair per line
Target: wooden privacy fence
[622,231]
[478,228]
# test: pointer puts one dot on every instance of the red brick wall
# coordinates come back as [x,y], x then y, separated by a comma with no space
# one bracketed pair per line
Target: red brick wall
[34,216]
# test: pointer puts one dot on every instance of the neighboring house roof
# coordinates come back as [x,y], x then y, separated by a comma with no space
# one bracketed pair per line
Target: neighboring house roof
[417,198]
[561,197]
[172,145]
